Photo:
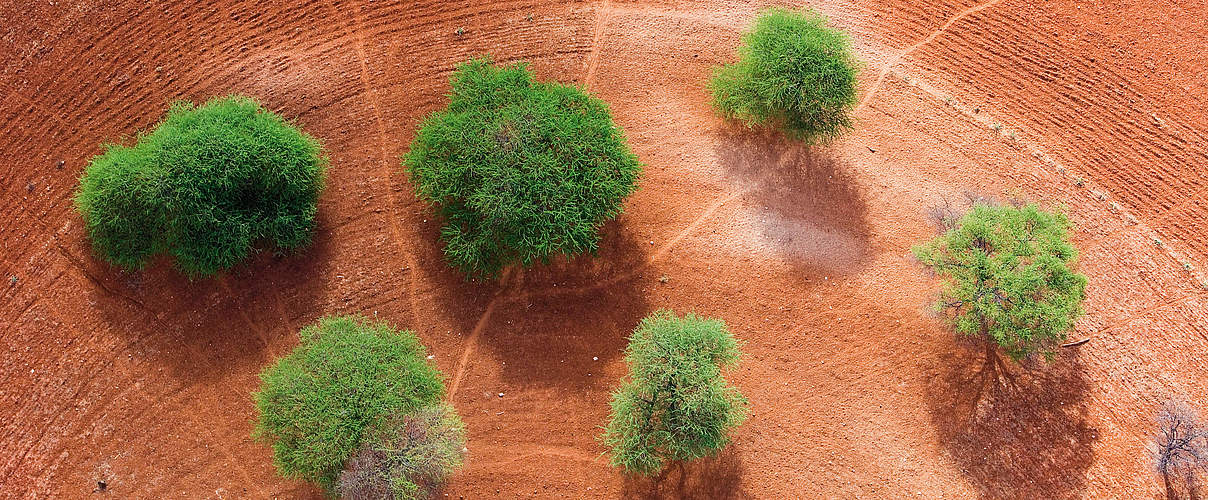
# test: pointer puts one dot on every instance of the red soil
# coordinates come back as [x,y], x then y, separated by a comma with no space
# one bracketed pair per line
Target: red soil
[143,380]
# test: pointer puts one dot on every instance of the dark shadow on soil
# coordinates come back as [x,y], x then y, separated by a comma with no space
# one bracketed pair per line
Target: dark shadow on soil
[1024,435]
[457,300]
[203,328]
[716,478]
[1183,484]
[561,323]
[809,210]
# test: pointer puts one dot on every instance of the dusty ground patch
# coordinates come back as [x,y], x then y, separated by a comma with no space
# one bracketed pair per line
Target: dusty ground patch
[143,380]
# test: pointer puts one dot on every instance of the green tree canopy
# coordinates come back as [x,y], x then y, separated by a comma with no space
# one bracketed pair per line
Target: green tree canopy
[520,170]
[1008,277]
[347,374]
[675,404]
[203,187]
[794,73]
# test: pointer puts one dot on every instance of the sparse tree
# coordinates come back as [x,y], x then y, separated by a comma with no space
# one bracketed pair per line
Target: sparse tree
[406,458]
[675,405]
[1008,278]
[1182,449]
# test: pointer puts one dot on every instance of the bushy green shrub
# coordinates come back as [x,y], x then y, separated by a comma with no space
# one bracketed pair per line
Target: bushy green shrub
[675,404]
[794,73]
[347,375]
[406,458]
[204,186]
[1008,277]
[520,170]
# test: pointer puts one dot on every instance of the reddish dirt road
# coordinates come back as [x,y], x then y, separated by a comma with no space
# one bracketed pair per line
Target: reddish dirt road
[142,380]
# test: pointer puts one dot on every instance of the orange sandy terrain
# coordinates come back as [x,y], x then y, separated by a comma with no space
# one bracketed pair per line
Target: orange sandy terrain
[143,380]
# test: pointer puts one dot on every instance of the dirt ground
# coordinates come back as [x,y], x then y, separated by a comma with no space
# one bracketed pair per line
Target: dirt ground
[143,380]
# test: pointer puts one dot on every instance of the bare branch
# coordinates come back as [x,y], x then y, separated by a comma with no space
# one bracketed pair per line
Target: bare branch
[1182,446]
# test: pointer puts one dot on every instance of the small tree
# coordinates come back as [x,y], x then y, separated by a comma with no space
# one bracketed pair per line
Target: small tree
[1008,278]
[406,458]
[520,170]
[347,374]
[675,404]
[203,187]
[794,73]
[1182,448]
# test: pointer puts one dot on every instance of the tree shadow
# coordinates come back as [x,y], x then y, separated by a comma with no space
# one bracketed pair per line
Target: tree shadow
[202,328]
[1020,434]
[1182,485]
[714,478]
[810,212]
[457,300]
[561,323]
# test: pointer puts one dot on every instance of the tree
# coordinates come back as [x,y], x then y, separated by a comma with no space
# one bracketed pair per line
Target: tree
[520,170]
[406,458]
[794,73]
[348,374]
[675,405]
[204,187]
[1182,448]
[1008,278]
